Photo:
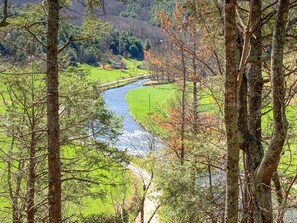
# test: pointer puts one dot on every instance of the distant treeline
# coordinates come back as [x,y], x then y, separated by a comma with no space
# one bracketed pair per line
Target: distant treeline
[19,45]
[130,34]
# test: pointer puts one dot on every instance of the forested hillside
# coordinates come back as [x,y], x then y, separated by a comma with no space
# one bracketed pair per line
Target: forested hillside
[131,16]
[131,31]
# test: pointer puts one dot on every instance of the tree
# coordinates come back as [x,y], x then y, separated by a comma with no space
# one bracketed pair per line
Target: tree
[23,125]
[4,22]
[232,169]
[147,45]
[24,143]
[188,134]
[269,163]
[54,163]
[248,28]
[260,168]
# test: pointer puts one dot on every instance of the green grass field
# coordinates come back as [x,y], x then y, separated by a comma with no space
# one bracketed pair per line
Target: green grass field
[109,75]
[114,183]
[148,101]
[155,100]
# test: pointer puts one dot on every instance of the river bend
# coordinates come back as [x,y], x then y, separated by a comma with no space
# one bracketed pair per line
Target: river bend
[134,138]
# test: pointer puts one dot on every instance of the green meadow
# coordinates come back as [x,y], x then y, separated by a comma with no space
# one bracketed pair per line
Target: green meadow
[108,74]
[150,101]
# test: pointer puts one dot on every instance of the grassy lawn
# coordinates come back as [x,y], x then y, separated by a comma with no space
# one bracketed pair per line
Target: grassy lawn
[149,101]
[154,100]
[109,75]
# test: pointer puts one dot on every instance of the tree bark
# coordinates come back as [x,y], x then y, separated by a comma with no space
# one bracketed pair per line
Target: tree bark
[252,137]
[183,105]
[195,82]
[4,22]
[14,194]
[269,164]
[32,175]
[231,204]
[54,165]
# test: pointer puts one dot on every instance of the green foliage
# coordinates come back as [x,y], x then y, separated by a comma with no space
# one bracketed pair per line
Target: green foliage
[127,45]
[89,42]
[95,40]
[90,169]
[147,45]
[131,10]
[167,7]
[187,195]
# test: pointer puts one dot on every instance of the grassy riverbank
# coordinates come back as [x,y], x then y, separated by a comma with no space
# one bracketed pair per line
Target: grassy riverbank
[105,74]
[150,101]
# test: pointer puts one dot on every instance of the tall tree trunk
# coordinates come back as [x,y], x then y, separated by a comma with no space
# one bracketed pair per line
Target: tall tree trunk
[255,85]
[269,164]
[32,176]
[14,194]
[54,165]
[195,107]
[255,81]
[252,137]
[183,105]
[231,205]
[4,22]
[195,81]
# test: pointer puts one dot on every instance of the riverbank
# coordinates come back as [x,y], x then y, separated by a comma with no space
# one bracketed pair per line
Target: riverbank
[134,139]
[122,82]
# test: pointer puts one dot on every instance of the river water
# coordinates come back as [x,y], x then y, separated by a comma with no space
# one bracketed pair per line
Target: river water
[134,138]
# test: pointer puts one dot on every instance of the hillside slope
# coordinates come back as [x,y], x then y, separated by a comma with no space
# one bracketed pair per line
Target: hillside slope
[133,16]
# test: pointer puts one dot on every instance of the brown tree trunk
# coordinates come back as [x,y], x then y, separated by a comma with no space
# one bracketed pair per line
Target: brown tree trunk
[231,204]
[195,81]
[4,22]
[195,107]
[54,165]
[32,176]
[255,81]
[269,164]
[183,105]
[14,194]
[253,148]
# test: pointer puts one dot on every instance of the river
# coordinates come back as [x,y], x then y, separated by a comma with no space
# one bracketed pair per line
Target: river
[134,138]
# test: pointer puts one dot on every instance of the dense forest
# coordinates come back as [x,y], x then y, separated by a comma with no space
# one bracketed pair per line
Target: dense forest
[148,111]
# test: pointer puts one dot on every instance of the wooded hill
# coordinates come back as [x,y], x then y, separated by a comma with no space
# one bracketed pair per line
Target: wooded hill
[131,16]
[133,30]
